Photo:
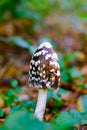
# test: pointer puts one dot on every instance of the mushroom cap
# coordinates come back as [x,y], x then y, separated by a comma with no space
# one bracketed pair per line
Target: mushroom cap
[44,68]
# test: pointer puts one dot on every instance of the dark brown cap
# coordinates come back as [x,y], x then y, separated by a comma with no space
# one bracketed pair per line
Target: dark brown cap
[44,68]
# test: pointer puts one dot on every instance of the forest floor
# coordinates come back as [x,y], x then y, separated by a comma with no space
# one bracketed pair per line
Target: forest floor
[14,61]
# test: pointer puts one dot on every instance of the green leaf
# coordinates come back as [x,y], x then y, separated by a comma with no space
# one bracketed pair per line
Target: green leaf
[15,108]
[1,113]
[19,42]
[11,97]
[20,13]
[55,96]
[70,57]
[62,91]
[23,44]
[11,100]
[21,120]
[67,120]
[14,83]
[78,118]
[61,61]
[81,86]
[63,122]
[10,92]
[65,76]
[83,15]
[2,128]
[82,103]
[28,104]
[75,73]
[18,89]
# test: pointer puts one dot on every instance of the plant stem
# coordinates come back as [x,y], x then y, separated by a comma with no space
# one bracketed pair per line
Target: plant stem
[41,104]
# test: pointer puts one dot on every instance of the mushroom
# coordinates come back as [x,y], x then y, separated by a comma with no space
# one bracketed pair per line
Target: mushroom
[44,73]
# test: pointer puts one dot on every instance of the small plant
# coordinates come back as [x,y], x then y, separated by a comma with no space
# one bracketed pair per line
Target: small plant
[44,73]
[11,95]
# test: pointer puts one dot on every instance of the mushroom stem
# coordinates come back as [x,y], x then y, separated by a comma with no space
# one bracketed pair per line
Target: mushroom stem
[41,104]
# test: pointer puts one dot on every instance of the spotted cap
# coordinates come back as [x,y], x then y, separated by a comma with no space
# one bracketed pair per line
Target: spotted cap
[44,68]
